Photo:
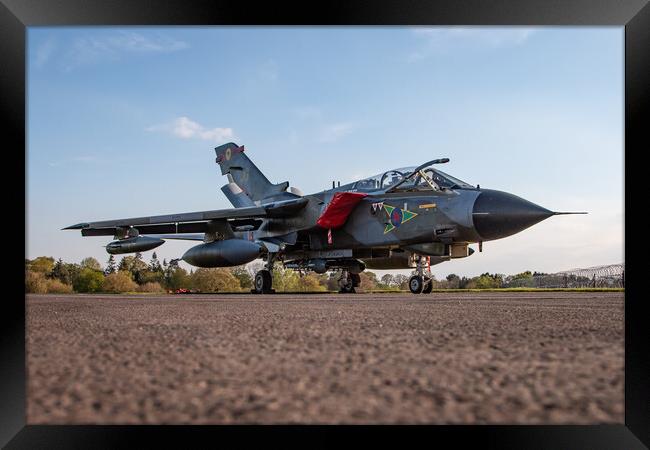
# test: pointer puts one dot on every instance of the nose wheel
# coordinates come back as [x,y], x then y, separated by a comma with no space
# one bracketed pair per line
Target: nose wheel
[422,281]
[416,284]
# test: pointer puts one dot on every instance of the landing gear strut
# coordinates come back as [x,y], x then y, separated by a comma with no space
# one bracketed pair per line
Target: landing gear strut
[421,282]
[348,282]
[264,279]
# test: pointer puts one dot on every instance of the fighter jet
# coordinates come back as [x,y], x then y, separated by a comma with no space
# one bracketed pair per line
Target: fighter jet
[405,218]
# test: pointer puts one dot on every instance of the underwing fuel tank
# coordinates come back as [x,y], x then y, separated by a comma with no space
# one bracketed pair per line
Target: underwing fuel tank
[228,253]
[133,244]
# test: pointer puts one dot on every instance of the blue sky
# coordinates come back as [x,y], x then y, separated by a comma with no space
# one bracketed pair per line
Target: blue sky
[122,122]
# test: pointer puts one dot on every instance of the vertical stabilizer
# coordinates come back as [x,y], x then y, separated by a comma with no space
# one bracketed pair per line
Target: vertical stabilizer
[245,174]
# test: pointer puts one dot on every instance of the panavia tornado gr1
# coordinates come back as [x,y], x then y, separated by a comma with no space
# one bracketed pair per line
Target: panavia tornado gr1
[406,218]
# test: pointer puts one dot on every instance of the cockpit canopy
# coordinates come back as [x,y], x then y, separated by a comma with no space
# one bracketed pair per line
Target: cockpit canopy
[404,179]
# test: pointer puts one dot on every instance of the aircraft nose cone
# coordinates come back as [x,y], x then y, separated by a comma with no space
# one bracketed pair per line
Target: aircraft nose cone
[499,214]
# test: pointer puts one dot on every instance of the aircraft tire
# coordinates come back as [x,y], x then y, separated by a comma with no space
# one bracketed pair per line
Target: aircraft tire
[428,287]
[416,284]
[263,282]
[347,287]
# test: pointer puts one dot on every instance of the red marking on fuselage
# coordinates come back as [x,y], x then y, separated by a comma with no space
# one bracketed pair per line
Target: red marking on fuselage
[339,208]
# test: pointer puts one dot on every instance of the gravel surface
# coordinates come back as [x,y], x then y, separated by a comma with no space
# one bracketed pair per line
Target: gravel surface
[524,358]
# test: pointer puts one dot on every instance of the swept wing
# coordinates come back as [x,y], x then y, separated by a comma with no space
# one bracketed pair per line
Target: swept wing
[192,222]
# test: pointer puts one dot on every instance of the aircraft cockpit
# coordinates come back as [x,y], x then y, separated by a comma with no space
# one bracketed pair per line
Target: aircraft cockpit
[415,178]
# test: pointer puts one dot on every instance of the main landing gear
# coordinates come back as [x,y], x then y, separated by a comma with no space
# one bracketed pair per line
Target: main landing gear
[348,282]
[263,282]
[264,278]
[421,282]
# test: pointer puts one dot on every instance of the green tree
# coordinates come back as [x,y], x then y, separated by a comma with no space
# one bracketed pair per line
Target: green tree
[134,265]
[486,281]
[214,280]
[125,264]
[148,276]
[89,280]
[453,281]
[154,264]
[285,280]
[90,263]
[323,279]
[110,265]
[118,282]
[523,279]
[65,272]
[388,280]
[401,281]
[139,268]
[54,286]
[35,282]
[241,273]
[42,264]
[368,281]
[309,283]
[523,275]
[176,277]
[58,270]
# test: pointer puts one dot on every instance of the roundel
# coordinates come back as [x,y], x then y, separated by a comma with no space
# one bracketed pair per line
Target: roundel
[396,217]
[228,153]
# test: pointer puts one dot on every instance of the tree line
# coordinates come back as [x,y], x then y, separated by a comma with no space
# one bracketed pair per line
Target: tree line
[133,274]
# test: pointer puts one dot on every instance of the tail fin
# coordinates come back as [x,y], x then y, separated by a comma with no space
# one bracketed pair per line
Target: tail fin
[245,174]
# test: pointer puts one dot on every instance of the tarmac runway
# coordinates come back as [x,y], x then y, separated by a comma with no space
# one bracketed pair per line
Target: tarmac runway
[524,358]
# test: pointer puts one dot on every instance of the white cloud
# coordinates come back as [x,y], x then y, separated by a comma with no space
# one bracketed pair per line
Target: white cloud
[109,47]
[442,39]
[130,41]
[491,36]
[185,128]
[335,131]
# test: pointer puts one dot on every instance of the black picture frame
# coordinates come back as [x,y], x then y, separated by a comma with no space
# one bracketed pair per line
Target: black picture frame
[634,15]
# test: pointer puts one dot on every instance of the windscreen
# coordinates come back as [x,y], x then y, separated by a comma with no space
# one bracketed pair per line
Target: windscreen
[414,181]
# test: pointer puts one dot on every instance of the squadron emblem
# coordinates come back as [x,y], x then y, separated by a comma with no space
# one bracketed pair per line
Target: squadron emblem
[397,217]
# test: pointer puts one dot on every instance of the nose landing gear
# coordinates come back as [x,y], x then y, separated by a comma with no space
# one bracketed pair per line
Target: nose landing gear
[421,282]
